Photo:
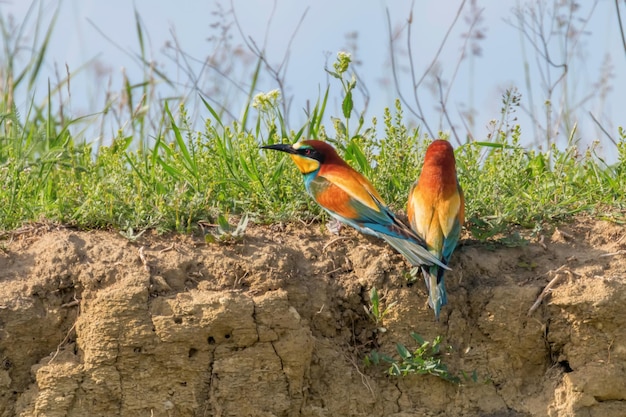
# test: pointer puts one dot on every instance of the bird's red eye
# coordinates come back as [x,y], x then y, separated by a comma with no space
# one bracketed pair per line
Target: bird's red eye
[307,152]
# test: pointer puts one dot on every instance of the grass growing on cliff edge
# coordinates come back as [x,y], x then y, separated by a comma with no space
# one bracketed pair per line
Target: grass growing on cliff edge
[187,176]
[160,171]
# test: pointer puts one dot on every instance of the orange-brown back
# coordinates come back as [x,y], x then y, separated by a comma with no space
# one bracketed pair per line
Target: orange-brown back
[436,201]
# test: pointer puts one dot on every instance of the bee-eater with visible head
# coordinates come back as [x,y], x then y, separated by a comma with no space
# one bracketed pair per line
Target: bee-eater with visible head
[436,210]
[350,198]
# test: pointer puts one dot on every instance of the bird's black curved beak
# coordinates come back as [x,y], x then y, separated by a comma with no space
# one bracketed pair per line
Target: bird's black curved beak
[283,147]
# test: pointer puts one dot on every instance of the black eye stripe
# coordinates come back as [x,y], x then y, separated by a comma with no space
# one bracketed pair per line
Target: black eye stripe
[311,153]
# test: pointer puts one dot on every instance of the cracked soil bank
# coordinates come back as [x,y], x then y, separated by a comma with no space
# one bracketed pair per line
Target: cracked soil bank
[275,326]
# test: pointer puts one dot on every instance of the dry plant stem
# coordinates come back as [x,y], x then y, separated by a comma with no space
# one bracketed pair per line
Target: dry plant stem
[541,242]
[533,28]
[543,294]
[31,229]
[364,378]
[419,113]
[621,27]
[186,67]
[169,248]
[75,302]
[619,252]
[565,234]
[337,239]
[65,339]
[443,98]
[277,73]
[444,110]
[548,288]
[606,133]
[144,261]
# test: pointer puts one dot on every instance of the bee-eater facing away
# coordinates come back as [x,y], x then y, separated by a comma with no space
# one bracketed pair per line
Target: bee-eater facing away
[350,198]
[436,210]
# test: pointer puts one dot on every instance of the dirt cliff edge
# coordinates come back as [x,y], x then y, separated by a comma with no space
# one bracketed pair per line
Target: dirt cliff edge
[92,324]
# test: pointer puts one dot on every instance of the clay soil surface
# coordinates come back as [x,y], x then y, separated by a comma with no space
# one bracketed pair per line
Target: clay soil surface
[92,324]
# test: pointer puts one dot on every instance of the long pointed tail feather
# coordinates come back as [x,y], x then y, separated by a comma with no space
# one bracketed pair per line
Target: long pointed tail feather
[437,296]
[413,252]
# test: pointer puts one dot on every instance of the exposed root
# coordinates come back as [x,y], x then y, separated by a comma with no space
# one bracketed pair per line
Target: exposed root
[337,239]
[619,252]
[565,234]
[31,231]
[144,260]
[559,272]
[542,243]
[169,248]
[71,304]
[364,378]
[64,341]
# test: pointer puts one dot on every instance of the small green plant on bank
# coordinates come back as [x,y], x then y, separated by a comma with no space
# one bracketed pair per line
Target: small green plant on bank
[225,233]
[424,359]
[375,311]
[356,145]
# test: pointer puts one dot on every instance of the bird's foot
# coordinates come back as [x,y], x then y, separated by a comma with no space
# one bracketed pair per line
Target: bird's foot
[334,226]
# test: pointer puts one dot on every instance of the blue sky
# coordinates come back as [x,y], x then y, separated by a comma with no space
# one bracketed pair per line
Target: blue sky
[322,34]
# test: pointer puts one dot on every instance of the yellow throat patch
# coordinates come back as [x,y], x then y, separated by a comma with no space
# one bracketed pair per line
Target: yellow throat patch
[305,165]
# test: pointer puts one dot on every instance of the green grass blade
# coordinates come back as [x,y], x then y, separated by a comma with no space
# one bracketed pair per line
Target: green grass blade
[42,49]
[208,106]
[255,79]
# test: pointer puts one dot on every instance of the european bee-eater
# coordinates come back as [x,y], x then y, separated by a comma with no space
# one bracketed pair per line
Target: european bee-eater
[436,210]
[350,198]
